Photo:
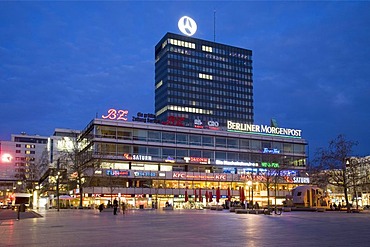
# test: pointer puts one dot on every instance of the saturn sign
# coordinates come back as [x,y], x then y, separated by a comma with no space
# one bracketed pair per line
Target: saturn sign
[187,26]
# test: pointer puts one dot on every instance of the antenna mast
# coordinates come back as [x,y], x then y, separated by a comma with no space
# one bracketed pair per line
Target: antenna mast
[214,25]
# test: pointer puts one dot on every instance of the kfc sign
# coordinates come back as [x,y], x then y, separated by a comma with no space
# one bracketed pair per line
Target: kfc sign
[191,176]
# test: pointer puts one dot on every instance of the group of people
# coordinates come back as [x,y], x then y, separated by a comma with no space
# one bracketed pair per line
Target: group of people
[115,206]
[336,207]
[249,205]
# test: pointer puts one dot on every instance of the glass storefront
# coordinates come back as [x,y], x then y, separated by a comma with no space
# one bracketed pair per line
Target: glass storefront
[150,166]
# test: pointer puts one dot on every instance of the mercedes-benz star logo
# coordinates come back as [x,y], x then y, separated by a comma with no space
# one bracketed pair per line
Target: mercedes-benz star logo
[187,26]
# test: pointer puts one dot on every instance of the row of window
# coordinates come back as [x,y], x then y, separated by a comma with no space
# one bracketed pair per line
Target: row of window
[211,68]
[238,112]
[26,145]
[25,158]
[225,51]
[178,154]
[205,68]
[205,76]
[189,109]
[218,107]
[21,164]
[26,152]
[197,140]
[30,140]
[207,48]
[218,110]
[227,83]
[178,43]
[208,69]
[206,51]
[220,73]
[209,59]
[231,86]
[201,93]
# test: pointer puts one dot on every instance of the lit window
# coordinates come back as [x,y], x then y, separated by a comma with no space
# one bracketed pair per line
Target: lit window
[159,84]
[207,48]
[164,44]
[205,76]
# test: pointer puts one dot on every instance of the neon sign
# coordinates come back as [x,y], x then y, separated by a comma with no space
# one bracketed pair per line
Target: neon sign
[263,129]
[175,121]
[270,165]
[301,180]
[198,123]
[182,175]
[114,114]
[145,174]
[270,151]
[212,125]
[169,159]
[235,163]
[187,25]
[117,173]
[197,160]
[137,157]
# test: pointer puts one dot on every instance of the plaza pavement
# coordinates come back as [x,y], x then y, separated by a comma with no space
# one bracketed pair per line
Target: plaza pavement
[185,228]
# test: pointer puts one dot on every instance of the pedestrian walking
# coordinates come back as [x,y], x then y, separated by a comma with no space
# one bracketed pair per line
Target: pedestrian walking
[101,207]
[123,207]
[115,206]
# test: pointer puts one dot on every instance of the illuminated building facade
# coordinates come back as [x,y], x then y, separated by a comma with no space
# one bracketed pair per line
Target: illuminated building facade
[197,81]
[18,164]
[149,164]
[25,152]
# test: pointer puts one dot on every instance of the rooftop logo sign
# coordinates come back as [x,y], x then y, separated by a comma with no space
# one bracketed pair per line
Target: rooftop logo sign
[187,26]
[114,114]
[263,129]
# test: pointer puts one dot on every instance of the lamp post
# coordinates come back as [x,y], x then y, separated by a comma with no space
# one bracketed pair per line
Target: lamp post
[276,190]
[57,177]
[249,183]
[110,182]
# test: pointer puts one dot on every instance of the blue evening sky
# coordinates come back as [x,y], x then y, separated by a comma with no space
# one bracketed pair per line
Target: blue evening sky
[62,63]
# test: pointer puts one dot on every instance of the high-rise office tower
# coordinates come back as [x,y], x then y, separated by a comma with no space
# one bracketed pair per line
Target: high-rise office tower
[202,83]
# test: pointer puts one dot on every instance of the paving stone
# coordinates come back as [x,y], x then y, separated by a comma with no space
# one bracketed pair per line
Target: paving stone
[185,228]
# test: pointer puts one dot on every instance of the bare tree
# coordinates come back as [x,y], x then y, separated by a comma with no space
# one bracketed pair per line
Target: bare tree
[33,172]
[76,164]
[332,162]
[272,163]
[358,175]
